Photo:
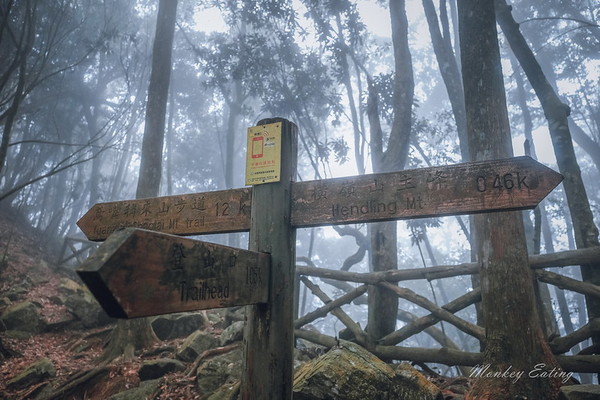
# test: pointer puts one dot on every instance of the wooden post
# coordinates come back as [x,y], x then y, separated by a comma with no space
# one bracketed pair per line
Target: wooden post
[268,339]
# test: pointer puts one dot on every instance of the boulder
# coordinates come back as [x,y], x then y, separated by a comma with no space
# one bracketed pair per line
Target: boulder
[178,325]
[233,333]
[410,382]
[82,304]
[349,372]
[39,273]
[35,373]
[579,392]
[222,369]
[23,317]
[195,344]
[153,369]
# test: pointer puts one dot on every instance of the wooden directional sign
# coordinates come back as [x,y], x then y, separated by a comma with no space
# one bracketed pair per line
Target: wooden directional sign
[190,214]
[484,186]
[475,187]
[137,273]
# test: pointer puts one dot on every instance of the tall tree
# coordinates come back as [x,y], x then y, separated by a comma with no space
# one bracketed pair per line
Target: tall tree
[156,106]
[131,335]
[442,46]
[383,305]
[557,114]
[514,338]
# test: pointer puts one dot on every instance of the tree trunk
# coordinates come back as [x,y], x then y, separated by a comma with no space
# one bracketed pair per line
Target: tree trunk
[383,304]
[557,113]
[158,93]
[24,47]
[514,339]
[131,335]
[450,75]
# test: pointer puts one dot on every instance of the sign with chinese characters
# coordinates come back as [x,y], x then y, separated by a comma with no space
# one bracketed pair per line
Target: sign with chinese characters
[263,154]
[138,273]
[190,214]
[485,186]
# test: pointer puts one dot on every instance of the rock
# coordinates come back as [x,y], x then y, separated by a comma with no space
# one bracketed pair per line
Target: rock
[178,325]
[17,293]
[35,373]
[350,372]
[5,302]
[23,317]
[222,369]
[197,343]
[142,392]
[80,302]
[579,392]
[158,368]
[412,384]
[38,274]
[232,333]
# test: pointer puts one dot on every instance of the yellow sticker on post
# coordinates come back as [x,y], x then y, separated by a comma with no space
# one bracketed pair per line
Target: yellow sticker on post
[263,154]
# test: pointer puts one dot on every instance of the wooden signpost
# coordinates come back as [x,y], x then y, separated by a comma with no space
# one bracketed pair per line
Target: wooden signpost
[141,273]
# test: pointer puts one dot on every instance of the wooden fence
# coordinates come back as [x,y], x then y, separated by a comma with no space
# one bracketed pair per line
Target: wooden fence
[449,354]
[75,251]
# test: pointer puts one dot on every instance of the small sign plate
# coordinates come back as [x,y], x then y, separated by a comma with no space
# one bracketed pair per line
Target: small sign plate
[263,154]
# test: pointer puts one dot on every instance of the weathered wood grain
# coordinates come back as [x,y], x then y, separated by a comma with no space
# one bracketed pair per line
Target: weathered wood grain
[137,273]
[508,184]
[475,187]
[269,332]
[189,214]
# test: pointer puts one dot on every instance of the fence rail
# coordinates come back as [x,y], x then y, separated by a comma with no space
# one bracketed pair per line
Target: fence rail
[449,354]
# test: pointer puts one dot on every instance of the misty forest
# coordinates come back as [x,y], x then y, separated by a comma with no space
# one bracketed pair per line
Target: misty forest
[114,100]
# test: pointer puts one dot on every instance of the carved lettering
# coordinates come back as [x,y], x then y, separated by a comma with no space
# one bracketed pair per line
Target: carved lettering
[145,211]
[203,291]
[377,186]
[412,203]
[501,182]
[370,207]
[198,203]
[405,183]
[521,181]
[253,276]
[319,192]
[177,256]
[195,222]
[222,209]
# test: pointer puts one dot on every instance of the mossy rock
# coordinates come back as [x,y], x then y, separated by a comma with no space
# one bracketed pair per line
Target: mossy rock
[23,317]
[349,372]
[35,373]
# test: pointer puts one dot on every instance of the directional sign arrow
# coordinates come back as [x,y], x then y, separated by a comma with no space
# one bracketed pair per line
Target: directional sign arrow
[189,214]
[484,186]
[475,187]
[137,273]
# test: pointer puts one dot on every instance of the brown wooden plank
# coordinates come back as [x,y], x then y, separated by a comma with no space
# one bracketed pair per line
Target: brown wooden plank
[137,273]
[499,185]
[189,214]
